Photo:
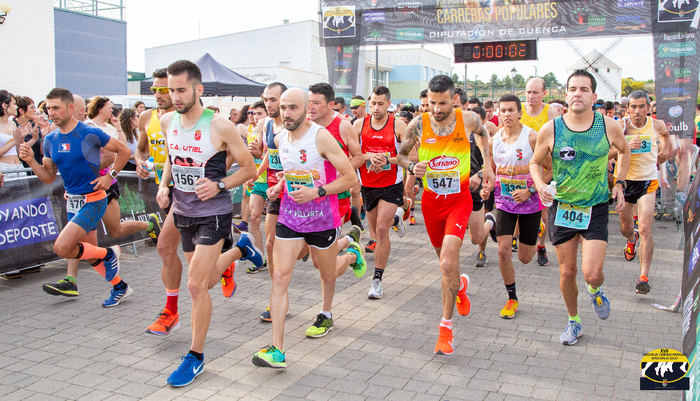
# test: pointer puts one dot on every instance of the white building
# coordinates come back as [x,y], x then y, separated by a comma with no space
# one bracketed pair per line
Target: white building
[608,75]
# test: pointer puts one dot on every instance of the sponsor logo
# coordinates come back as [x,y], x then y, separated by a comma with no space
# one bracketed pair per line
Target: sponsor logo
[302,156]
[197,135]
[679,36]
[443,162]
[675,111]
[408,5]
[339,22]
[680,90]
[629,18]
[519,154]
[375,35]
[664,369]
[630,3]
[430,140]
[677,49]
[681,72]
[678,127]
[677,10]
[374,16]
[567,153]
[64,147]
[409,34]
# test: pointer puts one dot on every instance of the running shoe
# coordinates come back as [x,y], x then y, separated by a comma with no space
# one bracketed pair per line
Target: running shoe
[265,316]
[515,244]
[155,230]
[571,333]
[228,283]
[481,259]
[464,305]
[399,225]
[355,233]
[375,290]
[256,269]
[412,221]
[541,230]
[444,343]
[406,209]
[601,305]
[165,323]
[363,212]
[240,227]
[636,223]
[360,265]
[416,189]
[270,357]
[642,285]
[508,311]
[542,258]
[190,368]
[117,295]
[253,254]
[492,231]
[321,326]
[111,262]
[630,252]
[63,287]
[371,244]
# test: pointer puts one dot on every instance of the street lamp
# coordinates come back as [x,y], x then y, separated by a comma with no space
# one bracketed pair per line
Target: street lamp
[513,73]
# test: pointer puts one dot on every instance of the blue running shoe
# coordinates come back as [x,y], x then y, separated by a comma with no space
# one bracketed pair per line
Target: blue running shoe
[253,254]
[111,262]
[190,368]
[117,296]
[601,305]
[571,333]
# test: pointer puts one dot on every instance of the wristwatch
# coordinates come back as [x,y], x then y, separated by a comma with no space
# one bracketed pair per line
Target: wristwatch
[623,183]
[221,185]
[480,175]
[321,192]
[113,173]
[410,168]
[532,190]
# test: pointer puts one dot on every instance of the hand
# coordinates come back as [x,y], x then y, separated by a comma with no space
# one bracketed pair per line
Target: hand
[474,182]
[303,194]
[487,181]
[485,193]
[521,195]
[206,188]
[273,192]
[419,169]
[141,169]
[543,192]
[635,143]
[114,121]
[378,159]
[26,153]
[619,194]
[255,149]
[102,183]
[163,197]
[250,184]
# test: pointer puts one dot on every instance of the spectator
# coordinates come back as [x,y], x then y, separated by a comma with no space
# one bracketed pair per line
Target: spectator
[78,108]
[29,130]
[128,121]
[242,122]
[233,114]
[140,107]
[100,116]
[8,146]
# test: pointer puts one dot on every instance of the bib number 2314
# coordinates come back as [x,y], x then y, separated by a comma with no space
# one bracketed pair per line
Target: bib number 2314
[571,216]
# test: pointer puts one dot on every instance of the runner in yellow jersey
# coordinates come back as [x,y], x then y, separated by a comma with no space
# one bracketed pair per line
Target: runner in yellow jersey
[256,188]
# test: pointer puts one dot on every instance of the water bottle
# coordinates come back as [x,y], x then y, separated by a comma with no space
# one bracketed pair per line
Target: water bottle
[149,164]
[552,188]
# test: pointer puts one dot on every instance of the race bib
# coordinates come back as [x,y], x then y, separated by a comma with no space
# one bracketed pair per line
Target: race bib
[571,216]
[645,146]
[509,185]
[75,202]
[273,156]
[185,177]
[443,182]
[385,167]
[304,179]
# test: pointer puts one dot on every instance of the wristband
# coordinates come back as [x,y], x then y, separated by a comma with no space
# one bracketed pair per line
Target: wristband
[622,182]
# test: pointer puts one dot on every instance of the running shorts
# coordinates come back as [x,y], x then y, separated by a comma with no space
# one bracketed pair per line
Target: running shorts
[89,216]
[529,225]
[113,192]
[477,202]
[597,228]
[446,215]
[344,209]
[203,230]
[273,207]
[316,239]
[636,189]
[392,194]
[260,189]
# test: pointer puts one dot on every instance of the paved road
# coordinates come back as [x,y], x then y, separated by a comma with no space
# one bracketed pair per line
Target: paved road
[59,348]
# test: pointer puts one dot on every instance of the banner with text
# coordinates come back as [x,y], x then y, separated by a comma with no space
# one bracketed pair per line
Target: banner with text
[342,69]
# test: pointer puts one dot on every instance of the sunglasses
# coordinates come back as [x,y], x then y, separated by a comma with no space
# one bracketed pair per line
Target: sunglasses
[251,113]
[354,107]
[337,110]
[163,90]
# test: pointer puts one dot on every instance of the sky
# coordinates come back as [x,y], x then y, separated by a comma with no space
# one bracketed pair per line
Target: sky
[159,22]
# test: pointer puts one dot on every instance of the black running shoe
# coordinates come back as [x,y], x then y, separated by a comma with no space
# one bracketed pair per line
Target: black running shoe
[63,287]
[542,258]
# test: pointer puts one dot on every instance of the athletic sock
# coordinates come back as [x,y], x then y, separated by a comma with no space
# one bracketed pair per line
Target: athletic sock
[446,323]
[355,217]
[244,251]
[171,302]
[511,291]
[89,251]
[198,355]
[116,280]
[540,247]
[461,284]
[378,273]
[592,290]
[576,319]
[70,278]
[327,314]
[120,285]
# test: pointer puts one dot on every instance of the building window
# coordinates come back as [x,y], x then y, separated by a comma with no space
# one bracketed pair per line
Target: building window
[425,74]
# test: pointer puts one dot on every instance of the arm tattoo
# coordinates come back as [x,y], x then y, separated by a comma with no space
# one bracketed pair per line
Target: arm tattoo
[413,139]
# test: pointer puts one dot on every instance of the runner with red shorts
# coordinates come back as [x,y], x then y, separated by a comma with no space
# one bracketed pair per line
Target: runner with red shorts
[444,154]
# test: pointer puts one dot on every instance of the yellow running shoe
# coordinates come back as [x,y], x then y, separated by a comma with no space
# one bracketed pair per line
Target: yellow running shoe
[508,311]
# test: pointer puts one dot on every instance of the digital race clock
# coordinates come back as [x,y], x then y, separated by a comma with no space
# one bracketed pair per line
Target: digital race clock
[512,50]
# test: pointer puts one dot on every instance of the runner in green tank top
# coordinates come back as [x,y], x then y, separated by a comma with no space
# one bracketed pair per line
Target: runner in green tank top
[579,143]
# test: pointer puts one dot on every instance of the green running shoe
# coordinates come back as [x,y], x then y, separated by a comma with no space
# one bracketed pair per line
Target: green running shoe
[360,265]
[321,326]
[270,357]
[64,287]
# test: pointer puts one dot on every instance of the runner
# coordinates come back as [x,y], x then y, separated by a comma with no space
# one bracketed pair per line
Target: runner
[517,201]
[201,204]
[382,181]
[358,106]
[443,140]
[649,146]
[535,115]
[256,188]
[74,150]
[580,142]
[315,171]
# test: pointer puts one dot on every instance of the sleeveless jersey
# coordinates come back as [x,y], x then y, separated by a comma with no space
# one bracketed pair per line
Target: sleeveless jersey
[535,122]
[192,156]
[303,165]
[379,141]
[447,158]
[642,160]
[334,129]
[156,144]
[252,136]
[273,154]
[513,172]
[580,163]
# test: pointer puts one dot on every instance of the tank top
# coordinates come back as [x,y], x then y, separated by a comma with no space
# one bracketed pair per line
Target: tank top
[642,160]
[334,129]
[535,122]
[273,154]
[303,165]
[580,163]
[4,139]
[252,136]
[156,144]
[447,157]
[513,172]
[192,156]
[379,141]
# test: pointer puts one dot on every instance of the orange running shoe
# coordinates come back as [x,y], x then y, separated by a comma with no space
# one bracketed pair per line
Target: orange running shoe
[228,284]
[407,209]
[508,311]
[444,342]
[412,221]
[164,324]
[464,305]
[630,252]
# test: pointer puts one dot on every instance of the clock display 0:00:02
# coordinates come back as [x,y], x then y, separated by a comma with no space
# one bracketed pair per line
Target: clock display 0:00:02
[508,51]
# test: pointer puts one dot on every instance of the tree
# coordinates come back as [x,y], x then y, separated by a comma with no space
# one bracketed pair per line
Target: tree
[494,80]
[550,80]
[456,80]
[630,85]
[519,81]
